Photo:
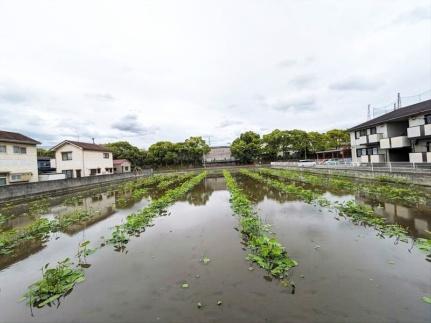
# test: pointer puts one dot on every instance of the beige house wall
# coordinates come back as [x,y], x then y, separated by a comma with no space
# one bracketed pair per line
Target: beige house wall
[121,168]
[83,160]
[12,163]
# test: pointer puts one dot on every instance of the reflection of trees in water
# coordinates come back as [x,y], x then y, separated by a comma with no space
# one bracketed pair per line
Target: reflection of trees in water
[257,192]
[201,193]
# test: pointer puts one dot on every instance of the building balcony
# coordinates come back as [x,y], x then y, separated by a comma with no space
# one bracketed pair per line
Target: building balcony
[414,132]
[394,142]
[375,138]
[364,159]
[377,158]
[363,140]
[424,157]
[427,130]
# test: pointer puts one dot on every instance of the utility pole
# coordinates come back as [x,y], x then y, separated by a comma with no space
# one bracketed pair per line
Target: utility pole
[399,100]
[369,112]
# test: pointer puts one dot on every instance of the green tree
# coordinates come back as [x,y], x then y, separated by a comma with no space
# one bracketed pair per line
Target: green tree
[196,147]
[125,150]
[337,138]
[41,152]
[247,148]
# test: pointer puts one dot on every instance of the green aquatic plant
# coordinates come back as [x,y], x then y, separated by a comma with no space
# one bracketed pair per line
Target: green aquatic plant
[266,251]
[119,238]
[56,282]
[73,200]
[424,244]
[73,217]
[3,219]
[83,252]
[38,207]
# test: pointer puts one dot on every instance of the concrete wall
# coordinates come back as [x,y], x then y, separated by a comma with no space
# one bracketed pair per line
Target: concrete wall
[13,163]
[26,190]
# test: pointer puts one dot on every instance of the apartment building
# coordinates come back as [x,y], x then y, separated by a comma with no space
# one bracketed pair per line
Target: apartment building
[402,135]
[18,158]
[81,159]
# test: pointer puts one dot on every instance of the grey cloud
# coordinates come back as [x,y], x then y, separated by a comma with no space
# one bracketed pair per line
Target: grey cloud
[355,84]
[296,105]
[302,80]
[130,124]
[287,62]
[413,16]
[228,123]
[14,95]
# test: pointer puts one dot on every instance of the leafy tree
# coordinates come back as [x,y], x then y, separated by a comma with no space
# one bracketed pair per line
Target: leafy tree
[125,150]
[247,148]
[337,138]
[196,147]
[41,152]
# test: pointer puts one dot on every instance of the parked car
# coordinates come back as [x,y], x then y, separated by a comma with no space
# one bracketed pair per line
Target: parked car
[331,162]
[307,163]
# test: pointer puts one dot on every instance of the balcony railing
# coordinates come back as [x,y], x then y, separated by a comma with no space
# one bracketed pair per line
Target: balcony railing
[375,138]
[395,142]
[419,131]
[424,157]
[363,140]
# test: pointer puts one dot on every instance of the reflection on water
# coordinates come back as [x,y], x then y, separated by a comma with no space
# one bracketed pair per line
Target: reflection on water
[416,220]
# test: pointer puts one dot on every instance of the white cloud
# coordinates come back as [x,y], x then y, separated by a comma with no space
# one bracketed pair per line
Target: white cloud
[164,70]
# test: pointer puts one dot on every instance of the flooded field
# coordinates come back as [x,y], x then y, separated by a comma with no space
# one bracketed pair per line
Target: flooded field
[187,262]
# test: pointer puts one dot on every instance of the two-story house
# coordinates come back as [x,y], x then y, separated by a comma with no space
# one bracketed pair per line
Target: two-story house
[402,135]
[18,158]
[80,159]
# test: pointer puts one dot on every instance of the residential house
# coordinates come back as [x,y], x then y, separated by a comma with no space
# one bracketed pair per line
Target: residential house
[402,135]
[18,158]
[219,155]
[122,166]
[80,159]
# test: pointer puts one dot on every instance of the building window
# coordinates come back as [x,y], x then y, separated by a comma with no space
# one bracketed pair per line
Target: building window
[363,132]
[372,151]
[373,131]
[2,181]
[429,146]
[428,119]
[358,152]
[109,170]
[357,134]
[99,171]
[2,148]
[19,150]
[66,155]
[106,155]
[68,173]
[93,172]
[15,177]
[126,168]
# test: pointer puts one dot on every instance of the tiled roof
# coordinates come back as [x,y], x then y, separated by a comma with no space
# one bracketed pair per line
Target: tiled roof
[396,115]
[83,145]
[120,161]
[17,138]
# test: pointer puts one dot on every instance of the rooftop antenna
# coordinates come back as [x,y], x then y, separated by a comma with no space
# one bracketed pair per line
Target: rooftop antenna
[369,112]
[399,100]
[395,106]
[93,140]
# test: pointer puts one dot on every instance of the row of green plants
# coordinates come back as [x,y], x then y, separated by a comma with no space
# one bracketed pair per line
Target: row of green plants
[358,213]
[266,251]
[40,229]
[59,281]
[137,222]
[390,192]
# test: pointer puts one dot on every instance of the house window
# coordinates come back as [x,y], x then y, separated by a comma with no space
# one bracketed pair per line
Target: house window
[109,170]
[19,150]
[93,172]
[429,146]
[357,134]
[2,148]
[99,171]
[372,151]
[428,119]
[2,181]
[373,131]
[358,152]
[126,168]
[66,155]
[68,173]
[363,132]
[15,177]
[106,155]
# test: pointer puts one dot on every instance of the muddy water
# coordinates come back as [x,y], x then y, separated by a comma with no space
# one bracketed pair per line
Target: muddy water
[349,275]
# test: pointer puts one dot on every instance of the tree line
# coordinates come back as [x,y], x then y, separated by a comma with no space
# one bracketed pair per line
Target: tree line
[249,147]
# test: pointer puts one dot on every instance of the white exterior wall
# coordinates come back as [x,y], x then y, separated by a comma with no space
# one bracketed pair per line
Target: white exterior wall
[83,160]
[417,120]
[77,161]
[118,169]
[94,160]
[19,163]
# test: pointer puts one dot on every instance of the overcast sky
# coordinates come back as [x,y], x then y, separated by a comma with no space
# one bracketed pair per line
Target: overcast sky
[145,71]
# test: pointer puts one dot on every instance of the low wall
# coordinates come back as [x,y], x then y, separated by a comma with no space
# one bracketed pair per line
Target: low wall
[413,178]
[25,190]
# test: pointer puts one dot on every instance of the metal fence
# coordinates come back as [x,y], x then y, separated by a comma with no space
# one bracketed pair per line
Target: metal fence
[399,167]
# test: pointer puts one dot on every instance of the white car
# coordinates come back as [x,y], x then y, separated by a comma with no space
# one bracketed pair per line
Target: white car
[306,163]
